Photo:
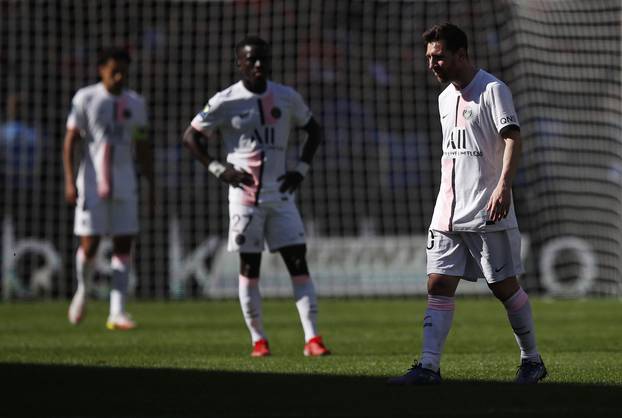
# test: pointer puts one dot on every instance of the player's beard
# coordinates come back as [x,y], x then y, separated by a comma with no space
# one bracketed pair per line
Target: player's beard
[440,76]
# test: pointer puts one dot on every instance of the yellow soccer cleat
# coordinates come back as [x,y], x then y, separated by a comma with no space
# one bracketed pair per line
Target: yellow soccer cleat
[120,322]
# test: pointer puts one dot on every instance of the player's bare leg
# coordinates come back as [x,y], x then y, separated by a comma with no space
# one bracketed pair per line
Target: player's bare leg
[85,259]
[518,309]
[436,325]
[121,263]
[295,259]
[250,302]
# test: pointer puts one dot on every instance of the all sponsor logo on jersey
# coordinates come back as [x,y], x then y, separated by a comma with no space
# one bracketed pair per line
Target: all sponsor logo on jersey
[457,139]
[456,145]
[267,137]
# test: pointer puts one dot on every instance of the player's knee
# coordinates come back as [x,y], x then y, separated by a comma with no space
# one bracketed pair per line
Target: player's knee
[504,289]
[439,285]
[295,258]
[89,247]
[122,244]
[250,264]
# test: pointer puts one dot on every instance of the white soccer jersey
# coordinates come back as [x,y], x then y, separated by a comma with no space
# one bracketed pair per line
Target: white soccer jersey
[107,123]
[255,129]
[472,119]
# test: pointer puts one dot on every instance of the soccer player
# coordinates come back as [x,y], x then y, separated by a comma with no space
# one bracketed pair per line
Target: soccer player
[254,117]
[473,232]
[110,121]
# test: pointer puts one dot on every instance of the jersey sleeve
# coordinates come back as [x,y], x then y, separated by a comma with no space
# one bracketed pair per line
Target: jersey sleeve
[301,114]
[502,107]
[210,118]
[77,114]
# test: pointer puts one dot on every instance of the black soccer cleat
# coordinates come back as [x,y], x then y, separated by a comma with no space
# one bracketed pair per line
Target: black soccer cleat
[530,372]
[417,375]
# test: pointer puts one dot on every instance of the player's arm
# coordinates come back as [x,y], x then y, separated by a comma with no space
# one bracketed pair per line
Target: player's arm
[499,202]
[71,138]
[292,179]
[144,153]
[194,141]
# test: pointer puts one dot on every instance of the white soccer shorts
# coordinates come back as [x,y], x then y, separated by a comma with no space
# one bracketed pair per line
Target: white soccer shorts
[277,223]
[494,256]
[107,217]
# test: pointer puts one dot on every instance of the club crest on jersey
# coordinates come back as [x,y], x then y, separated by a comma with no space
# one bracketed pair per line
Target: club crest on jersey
[276,112]
[467,113]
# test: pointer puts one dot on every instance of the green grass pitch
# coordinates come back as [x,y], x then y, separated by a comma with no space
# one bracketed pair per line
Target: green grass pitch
[191,359]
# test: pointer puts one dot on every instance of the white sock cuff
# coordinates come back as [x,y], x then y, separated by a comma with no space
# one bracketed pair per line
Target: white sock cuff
[516,301]
[301,279]
[248,281]
[441,303]
[120,261]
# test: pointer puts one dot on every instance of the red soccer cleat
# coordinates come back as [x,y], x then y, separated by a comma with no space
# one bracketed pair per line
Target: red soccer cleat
[261,349]
[316,348]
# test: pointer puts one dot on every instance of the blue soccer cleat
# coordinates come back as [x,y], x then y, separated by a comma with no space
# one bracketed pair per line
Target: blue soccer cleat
[417,375]
[530,372]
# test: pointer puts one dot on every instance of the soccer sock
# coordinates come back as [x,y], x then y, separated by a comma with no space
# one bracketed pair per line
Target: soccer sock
[84,271]
[436,325]
[519,314]
[120,278]
[306,303]
[250,301]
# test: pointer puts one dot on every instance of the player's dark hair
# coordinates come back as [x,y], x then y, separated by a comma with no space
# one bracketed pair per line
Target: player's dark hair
[251,40]
[115,53]
[453,37]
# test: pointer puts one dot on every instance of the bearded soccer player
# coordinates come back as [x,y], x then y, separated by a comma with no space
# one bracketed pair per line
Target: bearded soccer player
[254,117]
[110,121]
[473,233]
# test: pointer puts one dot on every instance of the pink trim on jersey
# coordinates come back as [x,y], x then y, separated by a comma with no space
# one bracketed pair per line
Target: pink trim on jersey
[301,279]
[516,301]
[267,104]
[255,163]
[120,105]
[248,282]
[460,121]
[104,185]
[441,303]
[447,194]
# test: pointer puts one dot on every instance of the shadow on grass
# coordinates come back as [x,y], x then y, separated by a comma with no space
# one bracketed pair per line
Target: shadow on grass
[72,391]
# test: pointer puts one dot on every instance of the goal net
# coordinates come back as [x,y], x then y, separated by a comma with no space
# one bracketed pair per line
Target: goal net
[369,197]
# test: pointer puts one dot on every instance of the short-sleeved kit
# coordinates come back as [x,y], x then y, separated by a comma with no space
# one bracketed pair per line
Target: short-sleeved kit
[255,129]
[106,181]
[472,121]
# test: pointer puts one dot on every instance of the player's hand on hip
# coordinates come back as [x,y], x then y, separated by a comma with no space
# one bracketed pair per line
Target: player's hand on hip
[236,178]
[290,181]
[498,205]
[71,194]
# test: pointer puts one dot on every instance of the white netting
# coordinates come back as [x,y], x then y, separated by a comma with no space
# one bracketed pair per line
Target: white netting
[372,187]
